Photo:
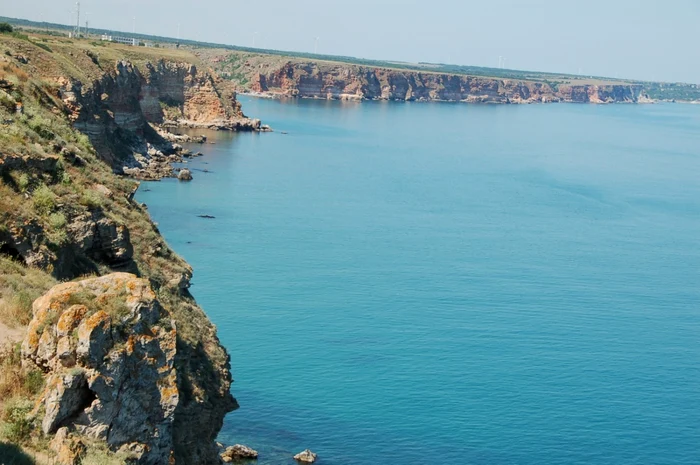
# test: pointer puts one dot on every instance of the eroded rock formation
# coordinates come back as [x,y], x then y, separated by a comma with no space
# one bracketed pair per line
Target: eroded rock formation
[353,82]
[108,348]
[117,110]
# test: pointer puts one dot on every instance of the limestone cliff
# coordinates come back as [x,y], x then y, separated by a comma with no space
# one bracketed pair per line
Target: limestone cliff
[343,81]
[108,348]
[115,110]
[329,81]
[71,114]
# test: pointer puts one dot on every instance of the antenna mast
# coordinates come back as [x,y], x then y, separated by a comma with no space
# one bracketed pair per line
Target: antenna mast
[77,20]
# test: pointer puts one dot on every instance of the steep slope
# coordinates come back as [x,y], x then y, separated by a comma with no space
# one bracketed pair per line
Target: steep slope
[332,80]
[71,115]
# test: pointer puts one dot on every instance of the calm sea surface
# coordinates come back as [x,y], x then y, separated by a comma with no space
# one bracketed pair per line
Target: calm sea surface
[408,284]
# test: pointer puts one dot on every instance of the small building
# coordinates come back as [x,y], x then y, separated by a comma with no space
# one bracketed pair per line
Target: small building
[121,40]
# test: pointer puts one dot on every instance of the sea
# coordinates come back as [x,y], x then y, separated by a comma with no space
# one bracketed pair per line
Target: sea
[434,283]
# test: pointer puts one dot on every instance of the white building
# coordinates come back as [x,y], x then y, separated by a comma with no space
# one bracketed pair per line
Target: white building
[121,40]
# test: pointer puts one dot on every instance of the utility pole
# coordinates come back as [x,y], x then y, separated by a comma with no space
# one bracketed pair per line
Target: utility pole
[316,46]
[133,29]
[77,19]
[87,24]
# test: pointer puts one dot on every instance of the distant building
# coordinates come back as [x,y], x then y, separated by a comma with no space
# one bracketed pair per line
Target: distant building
[121,40]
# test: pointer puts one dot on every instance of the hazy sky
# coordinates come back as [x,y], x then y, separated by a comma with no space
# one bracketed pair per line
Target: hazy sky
[644,39]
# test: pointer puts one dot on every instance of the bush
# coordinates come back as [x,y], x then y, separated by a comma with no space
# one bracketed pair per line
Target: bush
[44,200]
[6,28]
[17,426]
[7,102]
[43,46]
[57,229]
[21,180]
[91,199]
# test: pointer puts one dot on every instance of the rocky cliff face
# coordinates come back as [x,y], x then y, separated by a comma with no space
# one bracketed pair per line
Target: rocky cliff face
[116,109]
[130,359]
[351,82]
[108,348]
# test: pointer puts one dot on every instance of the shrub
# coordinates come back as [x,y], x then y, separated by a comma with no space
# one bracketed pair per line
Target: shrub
[57,221]
[65,179]
[115,306]
[7,102]
[91,199]
[17,426]
[57,229]
[21,180]
[33,382]
[44,200]
[43,46]
[5,28]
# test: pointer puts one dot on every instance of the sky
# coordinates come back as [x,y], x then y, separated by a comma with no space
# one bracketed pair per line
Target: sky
[642,39]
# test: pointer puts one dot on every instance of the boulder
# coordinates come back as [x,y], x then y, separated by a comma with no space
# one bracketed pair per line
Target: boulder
[306,456]
[184,175]
[69,449]
[120,344]
[238,452]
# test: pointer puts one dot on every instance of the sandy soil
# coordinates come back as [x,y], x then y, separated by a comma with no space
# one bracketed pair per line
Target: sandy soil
[10,334]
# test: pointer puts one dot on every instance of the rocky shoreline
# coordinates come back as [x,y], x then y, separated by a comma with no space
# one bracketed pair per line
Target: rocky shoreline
[128,363]
[273,77]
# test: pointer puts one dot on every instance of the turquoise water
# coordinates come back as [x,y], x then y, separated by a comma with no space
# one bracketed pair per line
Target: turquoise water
[406,284]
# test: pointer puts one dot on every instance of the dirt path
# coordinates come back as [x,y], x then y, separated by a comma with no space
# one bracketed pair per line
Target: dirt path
[10,334]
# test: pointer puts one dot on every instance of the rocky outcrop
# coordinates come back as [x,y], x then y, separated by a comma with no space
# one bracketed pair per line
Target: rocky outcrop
[184,175]
[238,452]
[306,456]
[95,240]
[109,349]
[143,374]
[353,82]
[117,110]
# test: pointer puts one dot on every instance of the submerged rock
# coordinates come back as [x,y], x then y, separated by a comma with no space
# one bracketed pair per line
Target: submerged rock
[184,175]
[306,456]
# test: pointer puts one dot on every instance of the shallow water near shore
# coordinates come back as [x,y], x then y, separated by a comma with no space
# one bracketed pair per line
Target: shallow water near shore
[452,284]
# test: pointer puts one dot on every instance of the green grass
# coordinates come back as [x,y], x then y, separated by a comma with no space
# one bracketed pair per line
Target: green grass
[17,426]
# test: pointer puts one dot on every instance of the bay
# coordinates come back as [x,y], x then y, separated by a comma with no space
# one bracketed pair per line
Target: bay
[452,284]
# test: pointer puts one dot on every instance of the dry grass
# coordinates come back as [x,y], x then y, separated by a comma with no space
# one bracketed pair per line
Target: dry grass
[19,287]
[17,382]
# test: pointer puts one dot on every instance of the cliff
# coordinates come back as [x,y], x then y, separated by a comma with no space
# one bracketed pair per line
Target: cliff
[127,333]
[344,81]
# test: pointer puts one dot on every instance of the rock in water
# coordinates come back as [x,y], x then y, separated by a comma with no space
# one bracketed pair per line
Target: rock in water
[238,452]
[120,345]
[306,456]
[184,175]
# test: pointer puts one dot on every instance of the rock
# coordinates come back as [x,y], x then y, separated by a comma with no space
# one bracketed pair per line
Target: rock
[238,452]
[69,450]
[94,339]
[65,395]
[306,456]
[184,175]
[103,240]
[104,190]
[123,388]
